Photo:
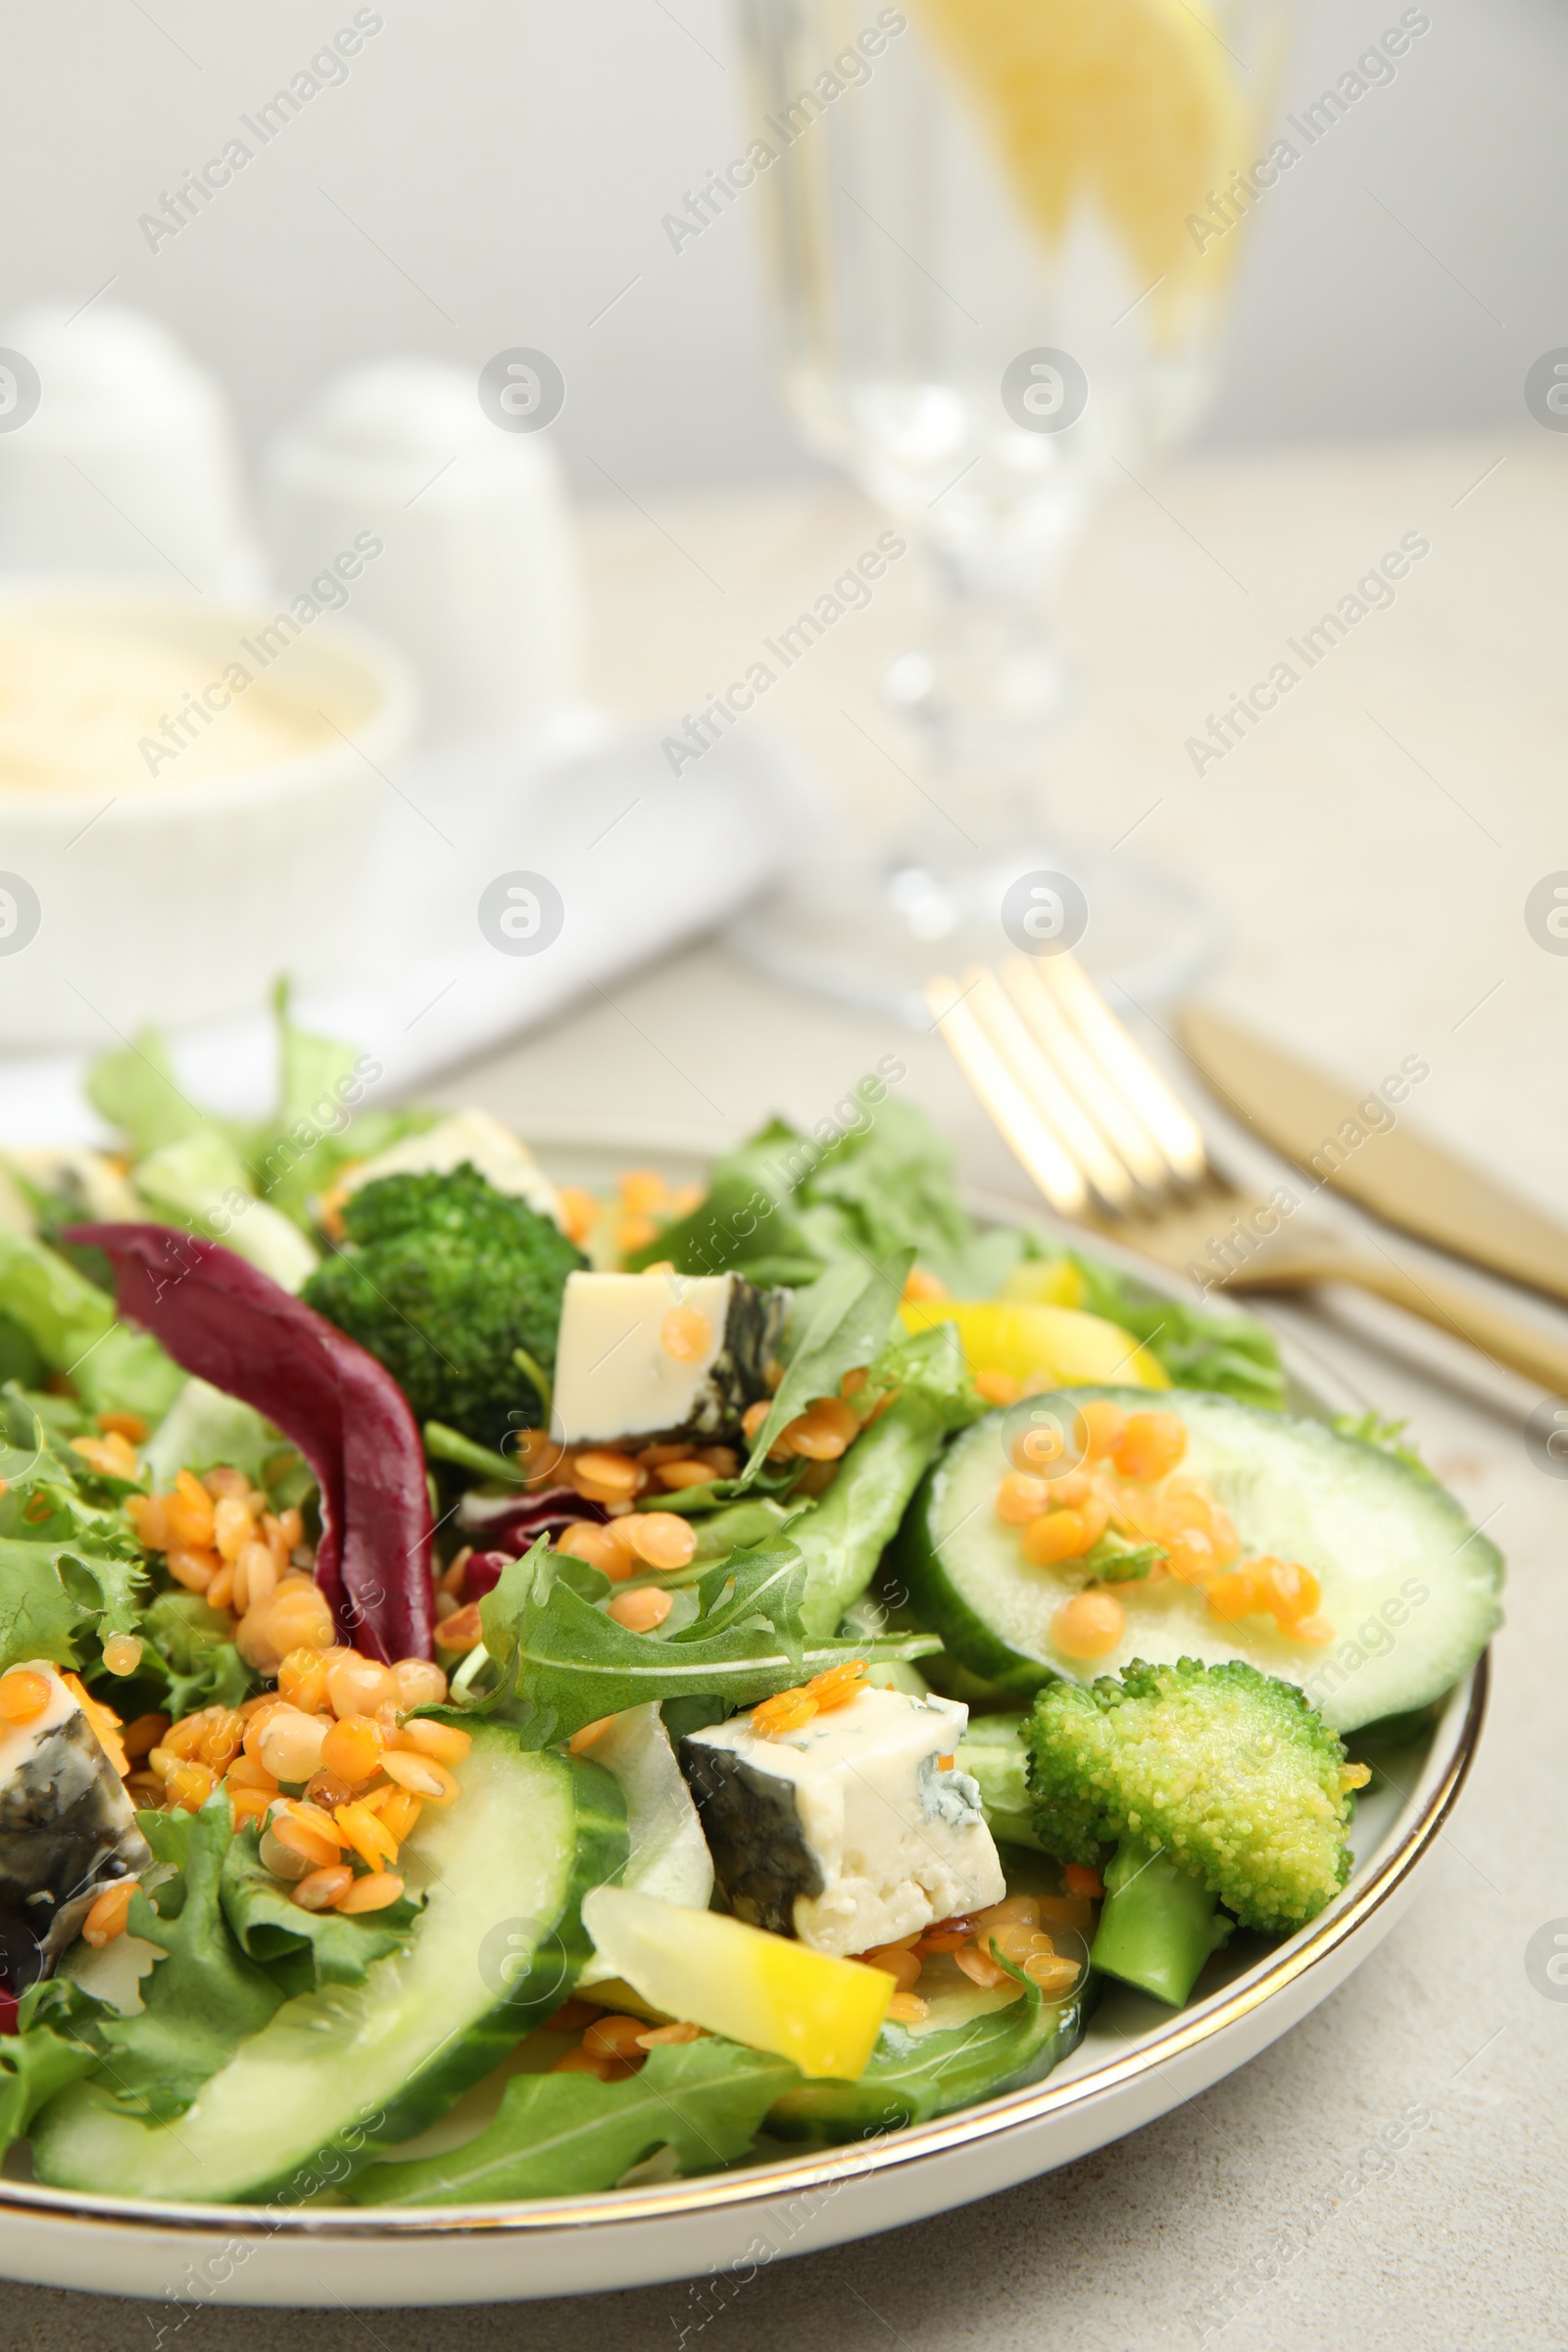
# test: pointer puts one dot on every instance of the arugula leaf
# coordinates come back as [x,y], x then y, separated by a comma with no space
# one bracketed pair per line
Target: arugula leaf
[564,1663]
[206,1995]
[837,1326]
[567,2135]
[843,1537]
[302,1951]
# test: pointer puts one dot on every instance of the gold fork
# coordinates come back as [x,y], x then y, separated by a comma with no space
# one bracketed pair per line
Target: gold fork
[1111,1147]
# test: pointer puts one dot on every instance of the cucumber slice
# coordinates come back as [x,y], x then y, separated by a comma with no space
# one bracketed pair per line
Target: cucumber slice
[498,1945]
[1408,1585]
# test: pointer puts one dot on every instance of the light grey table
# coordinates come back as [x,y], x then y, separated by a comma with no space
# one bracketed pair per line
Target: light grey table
[1375,889]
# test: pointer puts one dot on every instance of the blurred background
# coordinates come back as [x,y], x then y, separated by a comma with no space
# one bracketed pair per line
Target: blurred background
[455,185]
[504,164]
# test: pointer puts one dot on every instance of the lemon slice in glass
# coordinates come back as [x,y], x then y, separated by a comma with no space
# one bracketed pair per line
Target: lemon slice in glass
[1129,106]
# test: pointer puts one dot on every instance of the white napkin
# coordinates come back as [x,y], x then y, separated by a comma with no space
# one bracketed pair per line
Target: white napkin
[641,860]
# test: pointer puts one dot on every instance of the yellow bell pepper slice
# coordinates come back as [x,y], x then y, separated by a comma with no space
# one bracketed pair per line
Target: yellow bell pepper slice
[1058,1345]
[771,1993]
[1044,1281]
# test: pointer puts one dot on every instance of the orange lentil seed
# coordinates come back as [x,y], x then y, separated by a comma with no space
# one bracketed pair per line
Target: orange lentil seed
[448,1742]
[582,2062]
[358,1686]
[462,1630]
[1101,1426]
[291,1743]
[616,1474]
[422,1776]
[421,1683]
[372,1892]
[368,1833]
[838,1684]
[1021,1498]
[685,1334]
[352,1748]
[142,1733]
[321,1890]
[23,1694]
[659,1538]
[786,1712]
[1058,1536]
[641,1611]
[1152,1444]
[110,1910]
[672,1476]
[1089,1626]
[895,1961]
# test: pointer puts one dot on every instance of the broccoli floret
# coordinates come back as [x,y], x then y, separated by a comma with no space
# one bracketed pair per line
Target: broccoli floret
[444,1280]
[1215,1784]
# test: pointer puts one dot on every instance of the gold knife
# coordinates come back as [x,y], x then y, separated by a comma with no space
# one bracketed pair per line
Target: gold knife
[1365,1145]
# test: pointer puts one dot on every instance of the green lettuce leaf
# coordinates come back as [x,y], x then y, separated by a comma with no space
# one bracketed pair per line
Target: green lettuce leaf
[185,1642]
[71,1324]
[204,1429]
[567,2135]
[1231,1354]
[43,2055]
[135,1089]
[206,1995]
[202,1183]
[785,1205]
[563,1663]
[302,1951]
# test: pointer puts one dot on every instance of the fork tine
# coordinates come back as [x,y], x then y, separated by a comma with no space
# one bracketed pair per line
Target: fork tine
[1134,1075]
[1041,1082]
[1026,1132]
[1079,1071]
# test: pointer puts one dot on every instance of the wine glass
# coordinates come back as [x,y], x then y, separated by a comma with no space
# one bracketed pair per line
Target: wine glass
[1000,234]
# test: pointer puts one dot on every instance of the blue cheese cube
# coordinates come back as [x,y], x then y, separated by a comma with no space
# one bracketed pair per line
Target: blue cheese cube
[850,1832]
[66,1831]
[643,1355]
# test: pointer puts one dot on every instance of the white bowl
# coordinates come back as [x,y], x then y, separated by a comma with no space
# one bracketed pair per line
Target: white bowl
[126,898]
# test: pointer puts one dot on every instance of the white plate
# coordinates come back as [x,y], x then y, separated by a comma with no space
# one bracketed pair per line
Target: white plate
[1136,2062]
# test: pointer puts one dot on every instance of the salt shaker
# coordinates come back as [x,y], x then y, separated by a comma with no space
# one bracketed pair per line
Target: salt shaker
[470,560]
[118,457]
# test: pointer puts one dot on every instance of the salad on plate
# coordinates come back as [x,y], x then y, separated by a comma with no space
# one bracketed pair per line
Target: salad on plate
[509,1691]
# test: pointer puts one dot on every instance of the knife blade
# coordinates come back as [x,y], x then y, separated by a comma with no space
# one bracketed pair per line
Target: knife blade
[1341,1141]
